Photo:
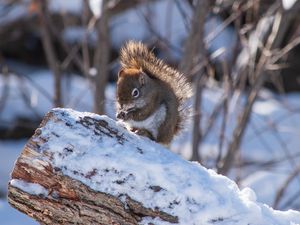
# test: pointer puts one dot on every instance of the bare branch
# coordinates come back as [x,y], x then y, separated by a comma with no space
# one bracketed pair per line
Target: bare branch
[101,59]
[194,54]
[281,191]
[5,89]
[50,53]
[258,80]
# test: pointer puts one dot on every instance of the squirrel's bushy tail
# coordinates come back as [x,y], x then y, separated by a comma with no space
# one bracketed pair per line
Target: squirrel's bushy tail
[136,55]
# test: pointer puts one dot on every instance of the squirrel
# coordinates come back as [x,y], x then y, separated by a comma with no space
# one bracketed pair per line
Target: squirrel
[150,94]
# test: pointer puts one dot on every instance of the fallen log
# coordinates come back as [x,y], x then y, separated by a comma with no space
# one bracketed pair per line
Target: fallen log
[82,168]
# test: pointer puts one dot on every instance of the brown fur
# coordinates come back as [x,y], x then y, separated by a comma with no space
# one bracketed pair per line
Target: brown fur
[136,55]
[158,85]
[129,72]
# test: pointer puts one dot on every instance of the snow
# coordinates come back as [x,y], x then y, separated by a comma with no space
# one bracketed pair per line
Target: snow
[271,142]
[288,4]
[30,188]
[267,180]
[226,40]
[21,9]
[66,6]
[75,34]
[265,108]
[195,194]
[12,14]
[96,7]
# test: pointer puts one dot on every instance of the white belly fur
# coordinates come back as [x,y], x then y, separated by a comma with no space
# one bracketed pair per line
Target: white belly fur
[152,123]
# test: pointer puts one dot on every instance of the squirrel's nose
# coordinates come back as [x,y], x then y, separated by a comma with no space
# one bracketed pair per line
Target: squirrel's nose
[121,115]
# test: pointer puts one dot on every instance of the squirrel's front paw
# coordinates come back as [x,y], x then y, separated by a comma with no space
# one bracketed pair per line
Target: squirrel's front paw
[143,132]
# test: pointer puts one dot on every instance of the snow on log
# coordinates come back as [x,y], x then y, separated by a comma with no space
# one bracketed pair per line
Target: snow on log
[82,168]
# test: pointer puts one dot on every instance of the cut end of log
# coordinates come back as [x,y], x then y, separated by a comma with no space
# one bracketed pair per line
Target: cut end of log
[84,168]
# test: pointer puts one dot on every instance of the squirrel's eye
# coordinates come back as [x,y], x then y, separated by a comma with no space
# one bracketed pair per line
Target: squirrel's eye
[135,93]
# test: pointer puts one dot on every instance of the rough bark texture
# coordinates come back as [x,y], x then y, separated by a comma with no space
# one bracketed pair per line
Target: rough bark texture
[69,201]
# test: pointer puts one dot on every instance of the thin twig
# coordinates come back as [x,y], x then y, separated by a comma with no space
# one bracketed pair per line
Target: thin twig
[183,14]
[5,89]
[218,30]
[278,54]
[292,199]
[258,80]
[49,51]
[70,57]
[101,59]
[157,34]
[282,190]
[24,94]
[194,54]
[225,113]
[84,44]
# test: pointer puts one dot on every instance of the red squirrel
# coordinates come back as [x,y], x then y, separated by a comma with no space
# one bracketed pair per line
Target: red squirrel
[150,94]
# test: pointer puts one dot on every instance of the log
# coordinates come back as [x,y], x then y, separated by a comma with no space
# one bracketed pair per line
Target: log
[82,168]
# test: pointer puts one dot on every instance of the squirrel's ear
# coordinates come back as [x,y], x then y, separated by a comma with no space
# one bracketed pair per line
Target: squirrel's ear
[142,78]
[121,72]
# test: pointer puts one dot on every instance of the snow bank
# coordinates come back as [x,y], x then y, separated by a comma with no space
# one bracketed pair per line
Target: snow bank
[288,4]
[148,173]
[272,135]
[31,188]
